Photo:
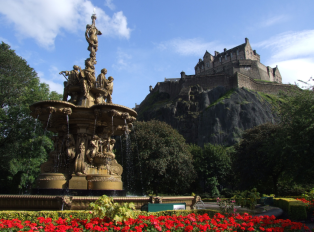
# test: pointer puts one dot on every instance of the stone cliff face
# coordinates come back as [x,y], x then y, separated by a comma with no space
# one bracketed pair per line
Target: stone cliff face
[215,116]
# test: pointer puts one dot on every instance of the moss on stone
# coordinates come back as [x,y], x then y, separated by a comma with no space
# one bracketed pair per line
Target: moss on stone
[264,81]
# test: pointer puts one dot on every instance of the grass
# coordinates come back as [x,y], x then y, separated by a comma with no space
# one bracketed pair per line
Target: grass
[258,80]
[226,96]
[150,104]
[271,98]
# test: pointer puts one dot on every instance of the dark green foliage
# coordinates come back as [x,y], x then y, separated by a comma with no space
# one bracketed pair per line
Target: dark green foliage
[213,167]
[297,120]
[161,154]
[21,148]
[259,160]
[247,198]
[278,158]
[293,189]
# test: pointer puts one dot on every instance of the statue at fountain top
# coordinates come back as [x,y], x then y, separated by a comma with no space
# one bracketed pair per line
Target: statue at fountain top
[91,35]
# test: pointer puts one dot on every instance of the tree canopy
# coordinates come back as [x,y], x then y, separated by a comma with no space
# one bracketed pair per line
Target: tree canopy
[259,160]
[162,156]
[297,121]
[22,148]
[213,165]
[270,155]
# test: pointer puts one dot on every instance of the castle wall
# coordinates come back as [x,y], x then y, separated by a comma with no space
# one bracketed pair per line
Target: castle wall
[249,83]
[170,87]
[207,82]
[263,72]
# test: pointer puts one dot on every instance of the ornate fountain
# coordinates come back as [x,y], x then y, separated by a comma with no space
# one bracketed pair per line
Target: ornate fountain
[83,159]
[83,162]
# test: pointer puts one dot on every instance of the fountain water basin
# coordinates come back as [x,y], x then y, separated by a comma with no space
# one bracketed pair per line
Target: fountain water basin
[83,157]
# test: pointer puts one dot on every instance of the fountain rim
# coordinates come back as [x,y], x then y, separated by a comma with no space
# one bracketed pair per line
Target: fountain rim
[82,107]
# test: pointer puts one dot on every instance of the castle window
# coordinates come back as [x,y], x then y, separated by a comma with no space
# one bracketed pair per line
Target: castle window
[237,52]
[231,55]
[226,57]
[219,59]
[207,64]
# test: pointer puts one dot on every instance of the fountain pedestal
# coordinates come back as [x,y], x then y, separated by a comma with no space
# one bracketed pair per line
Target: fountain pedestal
[78,182]
[52,180]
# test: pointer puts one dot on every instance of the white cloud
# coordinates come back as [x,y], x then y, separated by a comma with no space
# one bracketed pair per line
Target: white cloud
[273,20]
[110,5]
[296,69]
[186,47]
[43,20]
[293,52]
[53,86]
[54,74]
[290,45]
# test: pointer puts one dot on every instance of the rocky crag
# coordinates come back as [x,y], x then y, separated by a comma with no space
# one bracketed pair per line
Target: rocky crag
[217,116]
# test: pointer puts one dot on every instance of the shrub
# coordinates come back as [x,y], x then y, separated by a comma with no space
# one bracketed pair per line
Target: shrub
[104,207]
[247,198]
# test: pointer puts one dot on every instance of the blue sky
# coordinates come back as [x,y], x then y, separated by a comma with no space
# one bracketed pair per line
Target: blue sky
[145,41]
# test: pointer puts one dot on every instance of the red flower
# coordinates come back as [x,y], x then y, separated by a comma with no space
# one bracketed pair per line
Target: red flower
[89,226]
[188,228]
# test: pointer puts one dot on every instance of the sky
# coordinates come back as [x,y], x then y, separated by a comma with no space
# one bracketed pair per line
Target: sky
[143,42]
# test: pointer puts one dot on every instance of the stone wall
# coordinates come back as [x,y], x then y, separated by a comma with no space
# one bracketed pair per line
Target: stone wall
[249,83]
[170,87]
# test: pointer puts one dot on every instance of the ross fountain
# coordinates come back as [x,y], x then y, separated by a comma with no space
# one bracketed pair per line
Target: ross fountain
[83,160]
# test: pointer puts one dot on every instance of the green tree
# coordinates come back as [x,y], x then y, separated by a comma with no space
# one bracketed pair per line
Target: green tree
[213,165]
[297,121]
[162,156]
[22,148]
[259,160]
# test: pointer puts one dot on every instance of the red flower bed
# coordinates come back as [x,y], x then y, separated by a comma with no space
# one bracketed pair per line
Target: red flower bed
[191,222]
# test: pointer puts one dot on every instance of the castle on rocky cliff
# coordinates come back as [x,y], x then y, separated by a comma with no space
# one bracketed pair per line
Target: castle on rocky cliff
[240,59]
[234,68]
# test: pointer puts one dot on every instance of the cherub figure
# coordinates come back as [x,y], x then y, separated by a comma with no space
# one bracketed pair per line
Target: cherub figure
[92,149]
[70,147]
[109,152]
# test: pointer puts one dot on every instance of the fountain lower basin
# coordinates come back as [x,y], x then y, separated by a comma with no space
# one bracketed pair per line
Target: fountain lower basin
[83,160]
